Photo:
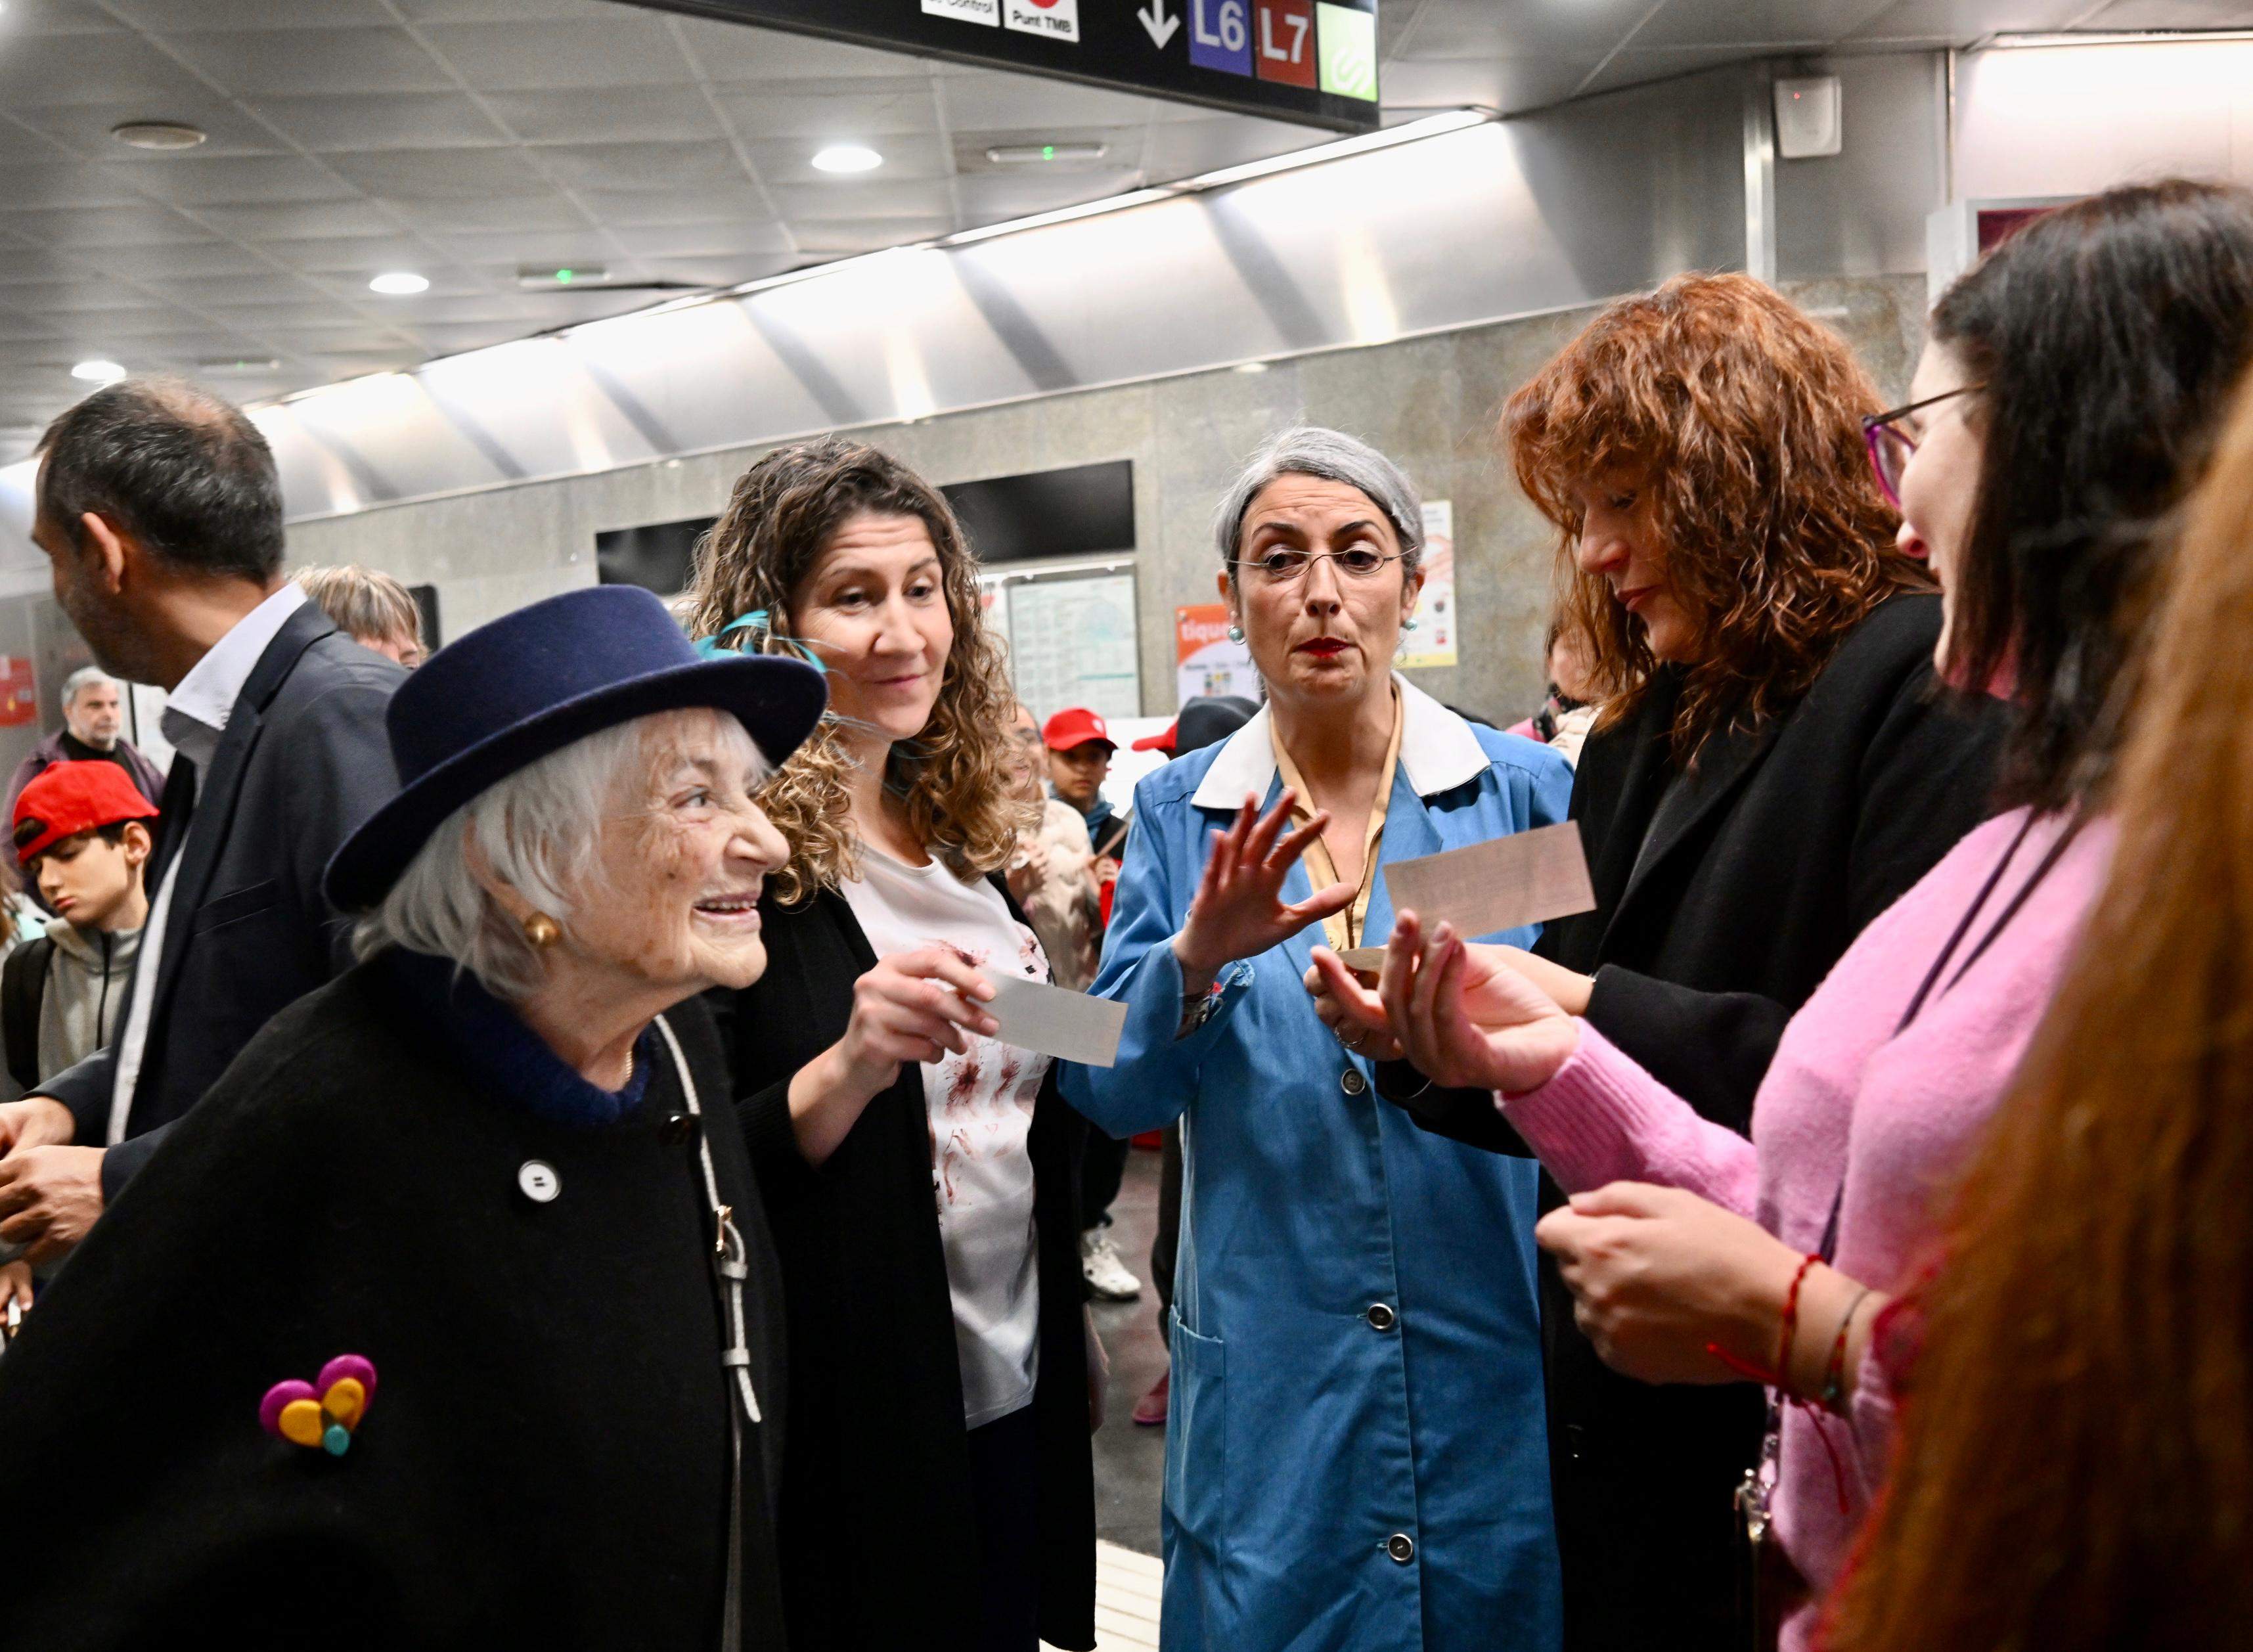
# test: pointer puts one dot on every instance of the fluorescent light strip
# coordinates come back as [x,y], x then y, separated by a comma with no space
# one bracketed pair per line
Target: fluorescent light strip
[2135,36]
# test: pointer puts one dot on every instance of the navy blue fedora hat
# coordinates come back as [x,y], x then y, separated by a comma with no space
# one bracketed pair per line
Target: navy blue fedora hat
[531,683]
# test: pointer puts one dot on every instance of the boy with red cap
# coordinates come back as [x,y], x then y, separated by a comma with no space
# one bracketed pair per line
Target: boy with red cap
[80,830]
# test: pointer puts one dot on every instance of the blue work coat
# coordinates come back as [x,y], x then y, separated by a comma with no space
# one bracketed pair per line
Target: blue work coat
[1356,1457]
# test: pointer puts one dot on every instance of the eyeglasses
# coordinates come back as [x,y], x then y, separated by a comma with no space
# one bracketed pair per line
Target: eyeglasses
[1284,567]
[1891,446]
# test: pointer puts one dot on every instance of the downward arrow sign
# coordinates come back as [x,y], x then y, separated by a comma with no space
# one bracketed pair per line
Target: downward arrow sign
[1157,24]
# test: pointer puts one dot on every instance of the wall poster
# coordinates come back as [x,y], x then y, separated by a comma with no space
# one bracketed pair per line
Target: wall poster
[1072,642]
[1432,640]
[1206,662]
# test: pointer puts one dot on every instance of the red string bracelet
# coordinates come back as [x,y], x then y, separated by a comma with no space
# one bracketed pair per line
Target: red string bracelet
[1776,1378]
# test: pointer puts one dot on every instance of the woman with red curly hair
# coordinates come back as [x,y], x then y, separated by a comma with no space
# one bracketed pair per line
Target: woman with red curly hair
[1771,770]
[2066,400]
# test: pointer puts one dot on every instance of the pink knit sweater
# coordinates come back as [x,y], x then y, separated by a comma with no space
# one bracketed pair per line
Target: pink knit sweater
[1896,1116]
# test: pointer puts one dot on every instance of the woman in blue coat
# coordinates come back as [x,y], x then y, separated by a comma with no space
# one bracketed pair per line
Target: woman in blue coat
[1356,1455]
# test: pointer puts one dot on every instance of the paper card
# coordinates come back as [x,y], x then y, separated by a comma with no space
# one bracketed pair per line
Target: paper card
[1528,877]
[1069,1026]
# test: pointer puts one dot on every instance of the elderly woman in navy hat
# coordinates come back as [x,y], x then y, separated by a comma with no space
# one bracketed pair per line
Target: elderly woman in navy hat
[449,1317]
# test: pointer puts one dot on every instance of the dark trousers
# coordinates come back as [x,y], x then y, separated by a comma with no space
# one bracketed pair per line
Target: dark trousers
[1005,1491]
[1167,1244]
[1102,1167]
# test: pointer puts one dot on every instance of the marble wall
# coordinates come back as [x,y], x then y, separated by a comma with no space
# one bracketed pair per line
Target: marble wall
[1431,402]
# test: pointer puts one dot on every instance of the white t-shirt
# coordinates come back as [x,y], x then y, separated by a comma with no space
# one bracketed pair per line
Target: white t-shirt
[981,1107]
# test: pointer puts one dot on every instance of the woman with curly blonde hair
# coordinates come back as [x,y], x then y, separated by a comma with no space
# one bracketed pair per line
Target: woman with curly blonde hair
[918,1170]
[1773,767]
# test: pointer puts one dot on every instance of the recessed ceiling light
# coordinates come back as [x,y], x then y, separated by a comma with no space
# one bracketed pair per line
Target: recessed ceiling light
[159,134]
[846,157]
[98,370]
[400,283]
[1251,366]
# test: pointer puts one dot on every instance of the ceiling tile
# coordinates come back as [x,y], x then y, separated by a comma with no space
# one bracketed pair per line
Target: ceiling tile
[214,292]
[636,166]
[991,196]
[225,180]
[858,111]
[426,175]
[304,221]
[1963,20]
[106,69]
[104,226]
[548,210]
[89,293]
[1632,68]
[620,48]
[698,240]
[142,323]
[349,254]
[179,16]
[622,115]
[499,10]
[1756,24]
[58,17]
[498,255]
[1185,148]
[38,264]
[64,183]
[159,264]
[1445,29]
[277,63]
[905,199]
[386,120]
[739,51]
[1510,85]
[991,101]
[2170,14]
[738,204]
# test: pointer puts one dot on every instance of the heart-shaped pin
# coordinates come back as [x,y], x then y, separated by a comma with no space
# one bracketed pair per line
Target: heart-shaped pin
[322,1414]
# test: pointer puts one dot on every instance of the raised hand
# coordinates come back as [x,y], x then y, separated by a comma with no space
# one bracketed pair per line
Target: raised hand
[1516,1042]
[1238,911]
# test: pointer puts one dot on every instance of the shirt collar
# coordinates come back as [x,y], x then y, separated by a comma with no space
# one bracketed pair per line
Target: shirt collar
[196,712]
[1438,752]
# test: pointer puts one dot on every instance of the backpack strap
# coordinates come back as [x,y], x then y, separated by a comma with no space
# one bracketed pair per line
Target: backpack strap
[22,987]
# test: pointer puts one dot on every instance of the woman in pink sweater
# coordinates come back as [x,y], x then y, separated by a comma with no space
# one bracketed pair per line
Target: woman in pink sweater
[2063,404]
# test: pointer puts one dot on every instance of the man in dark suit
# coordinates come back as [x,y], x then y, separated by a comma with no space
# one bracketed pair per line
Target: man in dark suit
[159,507]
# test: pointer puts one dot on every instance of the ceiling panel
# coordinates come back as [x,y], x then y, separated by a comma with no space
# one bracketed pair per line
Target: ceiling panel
[467,139]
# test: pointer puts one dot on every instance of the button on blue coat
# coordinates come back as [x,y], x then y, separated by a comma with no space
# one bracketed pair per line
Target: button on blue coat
[1355,1456]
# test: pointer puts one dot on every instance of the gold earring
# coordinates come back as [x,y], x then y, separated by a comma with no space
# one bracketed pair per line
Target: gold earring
[543,931]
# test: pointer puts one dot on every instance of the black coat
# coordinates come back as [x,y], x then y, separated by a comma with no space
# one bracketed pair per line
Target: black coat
[546,1459]
[1757,873]
[877,1470]
[303,761]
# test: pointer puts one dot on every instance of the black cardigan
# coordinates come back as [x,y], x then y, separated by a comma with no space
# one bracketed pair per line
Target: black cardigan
[546,1458]
[878,1536]
[1716,918]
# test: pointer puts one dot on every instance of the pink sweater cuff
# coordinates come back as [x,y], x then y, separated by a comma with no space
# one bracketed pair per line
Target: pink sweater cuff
[1602,1118]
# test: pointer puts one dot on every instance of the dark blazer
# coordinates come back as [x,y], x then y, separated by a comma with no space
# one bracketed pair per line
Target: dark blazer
[877,1470]
[303,761]
[546,1458]
[1720,908]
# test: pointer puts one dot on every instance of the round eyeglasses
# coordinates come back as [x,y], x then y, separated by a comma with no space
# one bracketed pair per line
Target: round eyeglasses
[1890,446]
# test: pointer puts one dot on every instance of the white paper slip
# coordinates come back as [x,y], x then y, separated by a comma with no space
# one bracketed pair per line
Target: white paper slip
[1528,877]
[1070,1026]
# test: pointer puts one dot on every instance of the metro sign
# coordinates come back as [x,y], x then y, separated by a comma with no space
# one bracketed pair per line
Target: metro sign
[1283,41]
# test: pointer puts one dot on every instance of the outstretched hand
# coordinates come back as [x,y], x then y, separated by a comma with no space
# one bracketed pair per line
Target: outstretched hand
[1238,911]
[1465,1018]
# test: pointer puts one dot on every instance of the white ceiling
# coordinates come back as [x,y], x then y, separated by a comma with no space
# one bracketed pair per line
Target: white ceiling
[465,138]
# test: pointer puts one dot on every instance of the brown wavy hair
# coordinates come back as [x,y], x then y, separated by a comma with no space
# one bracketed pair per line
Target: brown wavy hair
[1742,418]
[2074,1467]
[952,779]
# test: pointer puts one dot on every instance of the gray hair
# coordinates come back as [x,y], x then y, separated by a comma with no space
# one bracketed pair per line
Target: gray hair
[539,832]
[1309,449]
[84,678]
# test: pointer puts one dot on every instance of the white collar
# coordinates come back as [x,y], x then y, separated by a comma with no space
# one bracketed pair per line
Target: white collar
[1437,753]
[196,710]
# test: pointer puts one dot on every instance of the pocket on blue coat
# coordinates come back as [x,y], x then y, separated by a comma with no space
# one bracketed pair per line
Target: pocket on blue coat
[1196,1429]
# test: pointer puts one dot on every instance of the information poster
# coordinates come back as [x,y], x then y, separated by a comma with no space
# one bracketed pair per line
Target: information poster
[1206,662]
[1072,643]
[1432,640]
[20,698]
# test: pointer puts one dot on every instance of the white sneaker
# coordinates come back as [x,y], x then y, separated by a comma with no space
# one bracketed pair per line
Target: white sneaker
[1107,1275]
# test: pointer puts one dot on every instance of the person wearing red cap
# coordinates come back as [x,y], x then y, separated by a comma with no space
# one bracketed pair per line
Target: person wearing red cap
[1079,760]
[80,830]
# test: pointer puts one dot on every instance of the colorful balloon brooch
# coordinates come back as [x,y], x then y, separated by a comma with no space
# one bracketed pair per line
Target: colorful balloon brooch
[324,1413]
